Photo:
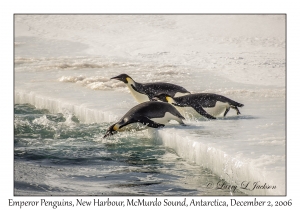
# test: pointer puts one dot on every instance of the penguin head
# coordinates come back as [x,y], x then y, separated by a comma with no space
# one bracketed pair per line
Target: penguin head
[112,130]
[123,77]
[163,97]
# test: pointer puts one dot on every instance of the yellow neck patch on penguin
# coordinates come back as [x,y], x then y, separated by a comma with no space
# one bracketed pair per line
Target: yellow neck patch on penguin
[169,99]
[129,80]
[116,127]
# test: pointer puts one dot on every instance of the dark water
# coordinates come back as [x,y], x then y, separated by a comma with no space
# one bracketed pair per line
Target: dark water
[55,154]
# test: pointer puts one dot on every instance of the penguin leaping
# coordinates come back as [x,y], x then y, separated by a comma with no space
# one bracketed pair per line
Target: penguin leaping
[208,105]
[146,91]
[152,114]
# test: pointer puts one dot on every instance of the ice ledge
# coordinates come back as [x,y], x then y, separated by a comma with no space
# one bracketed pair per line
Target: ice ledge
[237,172]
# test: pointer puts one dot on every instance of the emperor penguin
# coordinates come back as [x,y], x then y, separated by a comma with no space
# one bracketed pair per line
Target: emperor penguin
[208,105]
[144,92]
[152,114]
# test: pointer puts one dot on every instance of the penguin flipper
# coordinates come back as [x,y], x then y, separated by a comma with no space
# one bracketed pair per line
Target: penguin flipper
[201,111]
[150,123]
[142,91]
[139,91]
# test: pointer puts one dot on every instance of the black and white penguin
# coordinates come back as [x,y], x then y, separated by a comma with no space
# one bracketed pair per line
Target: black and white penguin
[144,92]
[208,105]
[152,114]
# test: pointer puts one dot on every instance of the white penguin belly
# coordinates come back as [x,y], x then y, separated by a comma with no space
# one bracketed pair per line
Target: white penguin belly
[138,96]
[218,110]
[133,126]
[165,119]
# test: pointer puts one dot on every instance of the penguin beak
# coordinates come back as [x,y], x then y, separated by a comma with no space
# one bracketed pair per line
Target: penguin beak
[111,131]
[117,78]
[108,133]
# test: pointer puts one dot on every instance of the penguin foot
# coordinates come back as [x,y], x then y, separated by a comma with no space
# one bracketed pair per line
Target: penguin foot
[236,109]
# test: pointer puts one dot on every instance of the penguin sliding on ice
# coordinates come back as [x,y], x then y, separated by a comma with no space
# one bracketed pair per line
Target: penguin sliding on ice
[144,92]
[152,114]
[208,105]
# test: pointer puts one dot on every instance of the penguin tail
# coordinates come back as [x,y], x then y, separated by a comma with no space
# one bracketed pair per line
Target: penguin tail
[230,101]
[236,104]
[239,105]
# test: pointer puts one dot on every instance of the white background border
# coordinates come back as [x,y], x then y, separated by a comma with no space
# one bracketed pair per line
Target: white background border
[8,8]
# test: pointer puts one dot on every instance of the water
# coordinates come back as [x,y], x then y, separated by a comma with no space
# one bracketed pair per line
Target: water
[65,157]
[65,100]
